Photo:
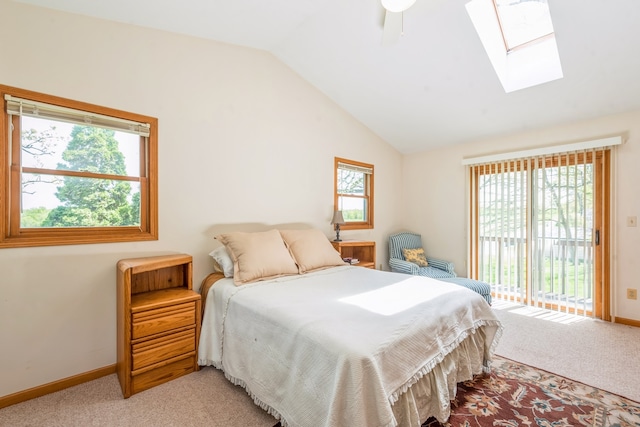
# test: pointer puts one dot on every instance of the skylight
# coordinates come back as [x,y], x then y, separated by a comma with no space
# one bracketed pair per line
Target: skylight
[519,39]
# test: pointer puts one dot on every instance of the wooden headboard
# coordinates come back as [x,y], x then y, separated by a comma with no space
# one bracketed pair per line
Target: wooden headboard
[204,288]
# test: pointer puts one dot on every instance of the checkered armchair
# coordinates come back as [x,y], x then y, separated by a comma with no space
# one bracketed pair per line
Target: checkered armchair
[437,269]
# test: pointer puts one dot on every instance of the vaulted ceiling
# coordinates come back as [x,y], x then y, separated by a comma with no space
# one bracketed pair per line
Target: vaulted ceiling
[436,85]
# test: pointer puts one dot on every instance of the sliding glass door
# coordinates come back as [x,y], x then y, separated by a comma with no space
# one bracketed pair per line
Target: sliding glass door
[540,230]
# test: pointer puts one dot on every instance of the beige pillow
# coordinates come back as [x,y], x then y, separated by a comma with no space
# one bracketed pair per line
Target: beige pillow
[416,256]
[257,256]
[311,249]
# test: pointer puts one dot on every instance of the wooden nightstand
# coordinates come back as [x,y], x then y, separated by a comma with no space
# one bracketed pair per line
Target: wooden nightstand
[364,251]
[158,321]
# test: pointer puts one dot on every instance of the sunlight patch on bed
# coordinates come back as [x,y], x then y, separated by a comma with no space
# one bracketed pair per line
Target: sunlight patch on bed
[397,297]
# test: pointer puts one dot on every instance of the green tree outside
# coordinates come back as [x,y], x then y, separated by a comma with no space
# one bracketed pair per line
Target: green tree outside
[89,202]
[34,217]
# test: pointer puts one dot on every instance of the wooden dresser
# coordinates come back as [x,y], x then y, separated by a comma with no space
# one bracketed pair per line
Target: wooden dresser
[158,321]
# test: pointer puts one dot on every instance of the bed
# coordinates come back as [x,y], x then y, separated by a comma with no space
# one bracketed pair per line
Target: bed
[316,342]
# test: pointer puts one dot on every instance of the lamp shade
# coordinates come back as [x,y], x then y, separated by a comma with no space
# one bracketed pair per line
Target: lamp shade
[337,218]
[397,5]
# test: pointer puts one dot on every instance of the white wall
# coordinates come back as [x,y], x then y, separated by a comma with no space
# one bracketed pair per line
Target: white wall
[435,184]
[242,139]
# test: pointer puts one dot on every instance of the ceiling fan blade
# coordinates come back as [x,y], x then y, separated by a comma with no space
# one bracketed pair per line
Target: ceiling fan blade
[392,29]
[397,5]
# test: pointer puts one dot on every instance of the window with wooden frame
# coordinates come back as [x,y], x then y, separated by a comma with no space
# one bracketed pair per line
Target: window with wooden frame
[353,193]
[75,173]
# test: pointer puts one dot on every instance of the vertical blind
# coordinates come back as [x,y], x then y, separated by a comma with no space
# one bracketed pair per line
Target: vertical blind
[532,229]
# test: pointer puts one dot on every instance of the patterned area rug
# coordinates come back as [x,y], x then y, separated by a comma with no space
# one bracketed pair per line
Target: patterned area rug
[516,395]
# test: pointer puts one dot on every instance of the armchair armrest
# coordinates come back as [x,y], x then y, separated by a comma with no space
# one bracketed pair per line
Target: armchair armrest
[402,266]
[441,264]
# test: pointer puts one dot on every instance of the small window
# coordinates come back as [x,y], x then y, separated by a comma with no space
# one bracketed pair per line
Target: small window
[354,193]
[77,173]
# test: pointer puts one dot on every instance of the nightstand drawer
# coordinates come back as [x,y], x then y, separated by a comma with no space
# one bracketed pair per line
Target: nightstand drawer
[162,374]
[156,350]
[159,320]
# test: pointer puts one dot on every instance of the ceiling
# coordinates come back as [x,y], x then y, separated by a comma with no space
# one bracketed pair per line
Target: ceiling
[435,86]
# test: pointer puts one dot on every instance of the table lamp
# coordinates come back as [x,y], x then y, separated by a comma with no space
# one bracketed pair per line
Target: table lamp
[337,220]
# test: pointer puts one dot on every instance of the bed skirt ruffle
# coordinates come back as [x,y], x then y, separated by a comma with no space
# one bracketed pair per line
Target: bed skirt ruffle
[431,394]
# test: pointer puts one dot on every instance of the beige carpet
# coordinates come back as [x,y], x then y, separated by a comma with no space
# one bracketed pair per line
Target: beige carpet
[597,353]
[203,398]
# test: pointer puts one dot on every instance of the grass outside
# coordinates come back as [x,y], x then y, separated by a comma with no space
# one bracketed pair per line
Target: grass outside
[565,278]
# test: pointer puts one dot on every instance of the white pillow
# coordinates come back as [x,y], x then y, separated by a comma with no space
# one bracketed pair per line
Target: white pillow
[223,262]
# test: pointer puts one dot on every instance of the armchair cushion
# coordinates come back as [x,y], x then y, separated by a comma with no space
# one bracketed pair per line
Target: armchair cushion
[401,266]
[415,256]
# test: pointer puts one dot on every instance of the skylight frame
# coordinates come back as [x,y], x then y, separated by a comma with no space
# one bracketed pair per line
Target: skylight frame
[502,18]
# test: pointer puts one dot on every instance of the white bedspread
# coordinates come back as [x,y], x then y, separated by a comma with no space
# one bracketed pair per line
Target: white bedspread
[340,346]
